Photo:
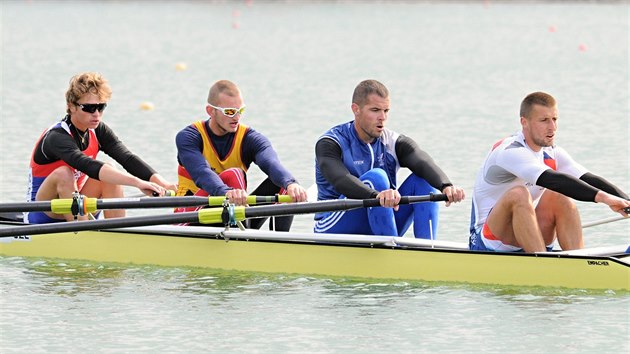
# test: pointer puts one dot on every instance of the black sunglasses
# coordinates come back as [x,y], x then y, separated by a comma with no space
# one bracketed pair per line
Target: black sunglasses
[92,107]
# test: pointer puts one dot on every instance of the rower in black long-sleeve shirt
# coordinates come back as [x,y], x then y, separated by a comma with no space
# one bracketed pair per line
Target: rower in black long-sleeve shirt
[64,157]
[360,158]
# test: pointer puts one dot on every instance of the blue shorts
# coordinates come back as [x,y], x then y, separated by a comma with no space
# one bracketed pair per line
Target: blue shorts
[384,221]
[39,217]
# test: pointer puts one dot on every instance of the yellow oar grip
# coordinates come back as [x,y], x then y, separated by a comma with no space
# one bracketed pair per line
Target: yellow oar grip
[90,205]
[209,216]
[213,216]
[64,206]
[285,199]
[215,201]
[239,213]
[61,206]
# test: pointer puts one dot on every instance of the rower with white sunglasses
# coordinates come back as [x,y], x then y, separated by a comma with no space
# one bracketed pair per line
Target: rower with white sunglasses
[214,155]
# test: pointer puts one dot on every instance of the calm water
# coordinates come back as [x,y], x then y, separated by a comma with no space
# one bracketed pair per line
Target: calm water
[456,73]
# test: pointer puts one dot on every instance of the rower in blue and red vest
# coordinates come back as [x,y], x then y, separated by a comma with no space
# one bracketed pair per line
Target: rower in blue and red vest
[215,154]
[64,159]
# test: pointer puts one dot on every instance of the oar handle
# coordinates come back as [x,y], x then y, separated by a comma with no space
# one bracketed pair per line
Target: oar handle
[167,193]
[409,199]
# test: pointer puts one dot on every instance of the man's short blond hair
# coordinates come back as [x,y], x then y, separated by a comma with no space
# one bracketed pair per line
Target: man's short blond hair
[225,87]
[87,82]
[539,98]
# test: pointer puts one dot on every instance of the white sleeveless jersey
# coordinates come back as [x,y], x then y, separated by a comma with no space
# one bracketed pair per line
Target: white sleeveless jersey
[512,163]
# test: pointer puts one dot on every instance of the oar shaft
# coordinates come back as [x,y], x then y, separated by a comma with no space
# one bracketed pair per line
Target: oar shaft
[603,221]
[100,224]
[32,206]
[332,205]
[209,216]
[64,206]
[185,202]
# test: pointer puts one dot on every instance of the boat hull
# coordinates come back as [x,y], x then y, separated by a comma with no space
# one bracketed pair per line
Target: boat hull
[337,259]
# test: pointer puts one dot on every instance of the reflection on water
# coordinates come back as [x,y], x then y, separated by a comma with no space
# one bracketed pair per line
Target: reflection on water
[70,278]
[154,307]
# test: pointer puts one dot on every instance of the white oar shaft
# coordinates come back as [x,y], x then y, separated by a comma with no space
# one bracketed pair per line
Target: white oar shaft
[603,221]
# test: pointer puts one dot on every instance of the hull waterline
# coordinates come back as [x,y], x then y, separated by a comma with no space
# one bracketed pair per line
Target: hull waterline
[367,257]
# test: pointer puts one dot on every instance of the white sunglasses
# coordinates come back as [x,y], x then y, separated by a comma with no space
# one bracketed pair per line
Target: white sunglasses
[229,112]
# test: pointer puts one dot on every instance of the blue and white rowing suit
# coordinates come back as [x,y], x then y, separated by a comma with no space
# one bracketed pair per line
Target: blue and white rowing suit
[375,165]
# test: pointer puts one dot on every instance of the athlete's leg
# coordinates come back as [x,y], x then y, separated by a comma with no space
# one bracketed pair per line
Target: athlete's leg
[425,215]
[232,177]
[279,223]
[99,189]
[59,184]
[381,219]
[353,221]
[558,216]
[513,221]
[371,221]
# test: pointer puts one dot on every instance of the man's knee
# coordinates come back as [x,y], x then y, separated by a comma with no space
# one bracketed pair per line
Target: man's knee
[518,196]
[376,178]
[62,173]
[556,203]
[420,185]
[558,199]
[234,177]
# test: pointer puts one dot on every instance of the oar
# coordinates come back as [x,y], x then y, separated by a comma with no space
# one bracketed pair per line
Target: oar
[90,205]
[605,221]
[226,215]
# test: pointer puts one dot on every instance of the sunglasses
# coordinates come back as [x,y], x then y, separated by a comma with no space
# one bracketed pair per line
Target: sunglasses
[229,112]
[92,107]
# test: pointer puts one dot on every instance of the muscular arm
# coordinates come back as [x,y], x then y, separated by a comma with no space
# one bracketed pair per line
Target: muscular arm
[420,163]
[257,148]
[603,184]
[112,146]
[328,154]
[567,185]
[584,189]
[189,154]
